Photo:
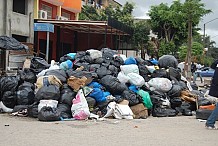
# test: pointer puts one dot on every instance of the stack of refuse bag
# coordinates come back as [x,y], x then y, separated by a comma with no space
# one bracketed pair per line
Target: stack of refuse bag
[103,83]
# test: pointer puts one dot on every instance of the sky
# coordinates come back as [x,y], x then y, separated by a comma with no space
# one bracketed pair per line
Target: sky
[211,28]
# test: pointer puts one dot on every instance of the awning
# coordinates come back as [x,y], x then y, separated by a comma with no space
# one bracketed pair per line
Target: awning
[99,27]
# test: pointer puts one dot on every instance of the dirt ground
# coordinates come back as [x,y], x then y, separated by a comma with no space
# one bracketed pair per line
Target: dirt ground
[169,131]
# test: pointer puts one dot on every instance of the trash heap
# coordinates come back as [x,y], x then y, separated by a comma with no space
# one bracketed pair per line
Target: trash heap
[99,84]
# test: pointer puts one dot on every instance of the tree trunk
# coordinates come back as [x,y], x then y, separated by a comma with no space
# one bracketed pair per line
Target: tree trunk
[188,56]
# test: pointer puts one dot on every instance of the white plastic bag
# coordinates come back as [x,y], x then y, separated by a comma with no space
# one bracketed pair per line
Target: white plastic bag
[160,84]
[151,68]
[122,77]
[131,68]
[4,108]
[80,109]
[136,79]
[119,111]
[50,103]
[94,54]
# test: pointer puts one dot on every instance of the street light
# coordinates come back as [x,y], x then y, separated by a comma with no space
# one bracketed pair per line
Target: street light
[204,28]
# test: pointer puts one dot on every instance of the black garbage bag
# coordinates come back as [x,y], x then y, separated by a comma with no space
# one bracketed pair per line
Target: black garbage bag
[27,75]
[78,74]
[48,114]
[94,67]
[59,73]
[8,83]
[80,55]
[103,71]
[10,43]
[32,110]
[189,106]
[67,95]
[99,60]
[174,72]
[91,103]
[65,111]
[38,64]
[107,54]
[26,84]
[163,112]
[113,85]
[167,61]
[101,108]
[141,61]
[203,101]
[20,108]
[143,71]
[78,64]
[162,73]
[65,58]
[48,92]
[175,102]
[114,70]
[117,61]
[9,99]
[194,86]
[25,96]
[183,85]
[131,97]
[175,91]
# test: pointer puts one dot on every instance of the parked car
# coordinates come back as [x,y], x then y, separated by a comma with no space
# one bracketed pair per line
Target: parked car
[207,72]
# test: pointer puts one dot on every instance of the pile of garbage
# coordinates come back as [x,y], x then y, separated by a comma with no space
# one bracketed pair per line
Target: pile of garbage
[99,84]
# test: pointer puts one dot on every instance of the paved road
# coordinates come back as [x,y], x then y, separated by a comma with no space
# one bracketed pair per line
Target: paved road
[174,131]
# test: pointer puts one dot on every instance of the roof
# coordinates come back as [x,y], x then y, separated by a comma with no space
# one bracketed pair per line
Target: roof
[83,26]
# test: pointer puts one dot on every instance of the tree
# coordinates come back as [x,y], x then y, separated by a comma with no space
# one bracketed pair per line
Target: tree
[170,22]
[193,10]
[140,36]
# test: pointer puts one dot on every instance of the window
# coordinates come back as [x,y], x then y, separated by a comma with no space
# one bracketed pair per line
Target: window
[19,38]
[48,9]
[66,15]
[19,6]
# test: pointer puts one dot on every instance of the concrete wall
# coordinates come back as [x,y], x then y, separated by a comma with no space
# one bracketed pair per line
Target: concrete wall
[15,23]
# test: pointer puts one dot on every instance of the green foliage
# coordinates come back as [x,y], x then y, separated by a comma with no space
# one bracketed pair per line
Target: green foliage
[171,22]
[207,60]
[166,48]
[141,32]
[197,51]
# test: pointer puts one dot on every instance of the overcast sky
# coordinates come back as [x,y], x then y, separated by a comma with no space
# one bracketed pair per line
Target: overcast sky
[142,7]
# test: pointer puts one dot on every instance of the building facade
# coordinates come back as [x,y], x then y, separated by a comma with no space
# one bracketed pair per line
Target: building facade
[62,40]
[17,19]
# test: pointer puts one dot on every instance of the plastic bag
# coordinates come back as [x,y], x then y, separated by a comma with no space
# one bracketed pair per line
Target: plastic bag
[48,114]
[119,111]
[130,60]
[160,84]
[123,78]
[146,98]
[48,92]
[80,109]
[166,61]
[136,79]
[64,110]
[94,53]
[132,68]
[25,96]
[9,99]
[48,103]
[4,108]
